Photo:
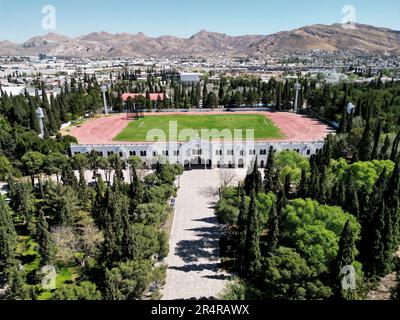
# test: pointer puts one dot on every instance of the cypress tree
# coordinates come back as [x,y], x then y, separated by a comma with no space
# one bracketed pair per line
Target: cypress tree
[68,177]
[385,149]
[355,158]
[269,183]
[135,191]
[354,204]
[273,230]
[253,180]
[16,289]
[392,194]
[252,245]
[345,257]
[377,263]
[8,236]
[111,291]
[287,186]
[395,148]
[46,248]
[242,229]
[302,189]
[364,147]
[377,136]
[369,215]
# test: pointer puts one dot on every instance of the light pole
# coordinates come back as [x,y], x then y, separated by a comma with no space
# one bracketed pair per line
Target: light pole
[177,156]
[40,116]
[297,87]
[104,89]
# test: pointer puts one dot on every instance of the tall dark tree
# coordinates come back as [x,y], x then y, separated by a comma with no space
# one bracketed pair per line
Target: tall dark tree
[376,265]
[242,230]
[302,190]
[345,257]
[252,246]
[269,172]
[8,236]
[384,153]
[377,137]
[273,230]
[287,186]
[46,246]
[253,180]
[395,148]
[68,177]
[136,191]
[16,289]
[364,147]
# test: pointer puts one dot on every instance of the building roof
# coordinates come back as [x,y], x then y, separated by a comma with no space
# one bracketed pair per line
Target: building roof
[153,96]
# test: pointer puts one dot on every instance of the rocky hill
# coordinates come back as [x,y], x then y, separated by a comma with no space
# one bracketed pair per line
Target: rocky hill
[364,38]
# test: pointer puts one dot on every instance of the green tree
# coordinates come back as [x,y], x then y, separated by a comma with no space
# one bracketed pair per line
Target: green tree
[128,281]
[8,236]
[345,257]
[54,163]
[5,167]
[273,231]
[271,179]
[364,147]
[242,230]
[286,276]
[83,291]
[33,164]
[252,245]
[253,181]
[17,284]
[46,246]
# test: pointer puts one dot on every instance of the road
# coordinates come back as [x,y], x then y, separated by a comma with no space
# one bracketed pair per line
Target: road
[194,260]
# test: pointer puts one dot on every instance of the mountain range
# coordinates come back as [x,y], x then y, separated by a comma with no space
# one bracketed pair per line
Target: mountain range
[335,38]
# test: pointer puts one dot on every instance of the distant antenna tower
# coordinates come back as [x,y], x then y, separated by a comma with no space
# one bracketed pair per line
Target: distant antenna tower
[104,89]
[40,116]
[297,87]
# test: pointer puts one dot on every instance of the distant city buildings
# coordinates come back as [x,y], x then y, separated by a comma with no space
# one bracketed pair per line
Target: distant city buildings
[186,77]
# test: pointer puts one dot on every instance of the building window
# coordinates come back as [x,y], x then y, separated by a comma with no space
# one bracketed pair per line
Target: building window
[197,152]
[252,152]
[263,152]
[132,153]
[218,152]
[121,154]
[143,153]
[230,153]
[241,152]
[308,152]
[155,154]
[176,153]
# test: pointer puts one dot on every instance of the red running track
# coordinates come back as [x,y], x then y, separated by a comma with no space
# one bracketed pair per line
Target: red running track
[295,127]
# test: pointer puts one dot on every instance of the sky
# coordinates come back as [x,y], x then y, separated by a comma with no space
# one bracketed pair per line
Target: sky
[22,19]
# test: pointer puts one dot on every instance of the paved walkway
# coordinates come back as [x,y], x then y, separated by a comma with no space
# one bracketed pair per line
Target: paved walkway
[194,261]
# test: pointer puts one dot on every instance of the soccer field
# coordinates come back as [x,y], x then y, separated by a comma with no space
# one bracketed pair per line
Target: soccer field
[264,128]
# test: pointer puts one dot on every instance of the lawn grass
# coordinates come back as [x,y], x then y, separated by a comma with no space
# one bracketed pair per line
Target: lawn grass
[264,128]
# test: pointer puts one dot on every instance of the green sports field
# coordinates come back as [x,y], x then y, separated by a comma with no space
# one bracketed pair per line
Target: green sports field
[138,130]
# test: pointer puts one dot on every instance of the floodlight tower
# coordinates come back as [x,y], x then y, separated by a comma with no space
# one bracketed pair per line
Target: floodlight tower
[297,87]
[40,116]
[104,89]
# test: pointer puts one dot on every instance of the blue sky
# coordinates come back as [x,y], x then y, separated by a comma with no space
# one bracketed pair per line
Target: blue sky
[21,19]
